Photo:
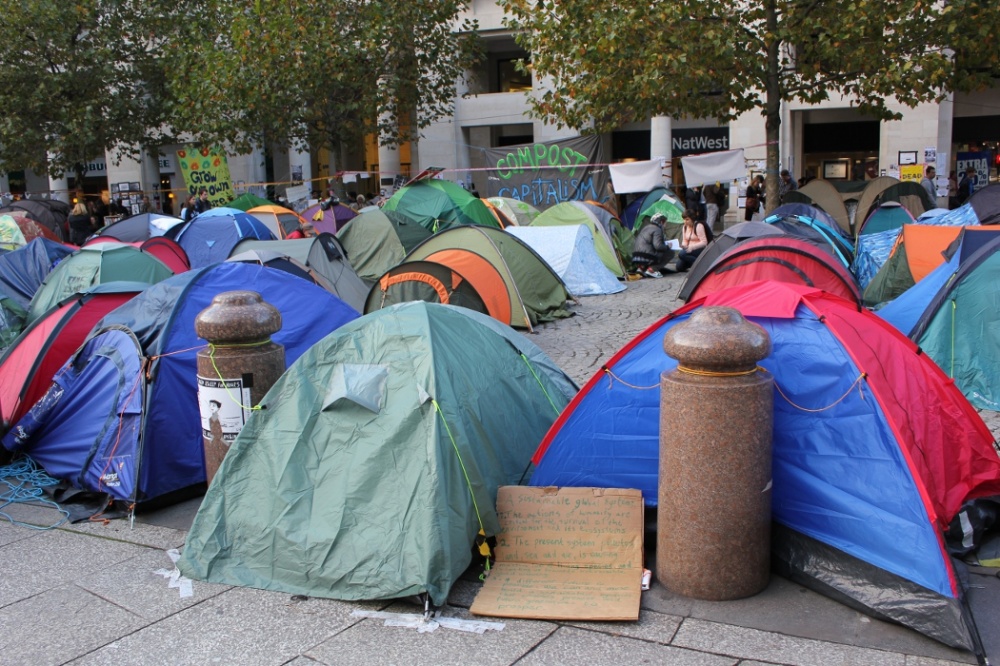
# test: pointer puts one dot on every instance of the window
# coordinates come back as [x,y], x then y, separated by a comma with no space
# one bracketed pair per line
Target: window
[509,79]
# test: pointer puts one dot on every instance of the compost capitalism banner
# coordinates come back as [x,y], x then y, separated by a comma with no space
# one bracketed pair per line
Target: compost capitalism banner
[208,168]
[545,174]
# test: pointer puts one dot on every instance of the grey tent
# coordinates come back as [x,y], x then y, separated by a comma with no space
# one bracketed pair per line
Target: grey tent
[323,254]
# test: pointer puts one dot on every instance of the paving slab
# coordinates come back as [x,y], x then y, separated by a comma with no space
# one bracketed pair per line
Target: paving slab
[745,643]
[788,608]
[578,646]
[371,642]
[240,626]
[59,624]
[9,533]
[135,585]
[57,557]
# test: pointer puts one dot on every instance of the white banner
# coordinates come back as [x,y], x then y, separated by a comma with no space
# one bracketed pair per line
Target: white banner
[636,176]
[714,167]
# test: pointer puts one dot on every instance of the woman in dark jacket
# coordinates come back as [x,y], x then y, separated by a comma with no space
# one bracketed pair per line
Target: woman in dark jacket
[81,224]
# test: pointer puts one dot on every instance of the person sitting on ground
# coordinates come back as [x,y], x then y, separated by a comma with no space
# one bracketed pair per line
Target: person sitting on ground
[693,241]
[650,253]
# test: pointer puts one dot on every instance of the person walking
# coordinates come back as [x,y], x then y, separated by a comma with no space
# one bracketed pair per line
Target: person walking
[928,182]
[188,209]
[202,204]
[81,224]
[711,193]
[966,186]
[785,185]
[755,197]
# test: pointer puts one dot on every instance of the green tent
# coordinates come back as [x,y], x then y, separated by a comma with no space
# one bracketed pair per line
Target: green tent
[247,201]
[95,264]
[377,458]
[440,204]
[11,321]
[671,210]
[566,213]
[517,286]
[518,212]
[960,327]
[377,240]
[11,236]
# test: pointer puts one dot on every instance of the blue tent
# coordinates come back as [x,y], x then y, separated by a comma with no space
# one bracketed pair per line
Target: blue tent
[212,235]
[159,435]
[806,210]
[831,238]
[23,270]
[871,459]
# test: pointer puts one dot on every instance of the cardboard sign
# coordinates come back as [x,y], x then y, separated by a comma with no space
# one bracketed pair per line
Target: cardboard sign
[566,554]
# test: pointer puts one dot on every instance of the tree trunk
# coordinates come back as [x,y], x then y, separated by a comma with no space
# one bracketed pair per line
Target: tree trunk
[772,110]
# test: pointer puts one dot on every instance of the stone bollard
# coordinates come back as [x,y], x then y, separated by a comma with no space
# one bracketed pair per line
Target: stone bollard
[716,415]
[238,368]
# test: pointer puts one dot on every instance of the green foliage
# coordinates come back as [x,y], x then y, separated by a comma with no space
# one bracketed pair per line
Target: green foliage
[324,72]
[76,79]
[612,62]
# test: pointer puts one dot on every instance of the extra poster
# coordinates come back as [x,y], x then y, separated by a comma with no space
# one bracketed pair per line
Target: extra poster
[545,174]
[208,168]
[225,407]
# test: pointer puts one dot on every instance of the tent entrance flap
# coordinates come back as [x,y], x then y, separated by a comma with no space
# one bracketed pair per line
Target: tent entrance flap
[361,384]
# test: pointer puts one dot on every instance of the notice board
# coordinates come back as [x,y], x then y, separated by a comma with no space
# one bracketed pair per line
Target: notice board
[566,554]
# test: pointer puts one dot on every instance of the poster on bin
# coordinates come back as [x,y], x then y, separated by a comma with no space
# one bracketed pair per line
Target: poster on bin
[225,407]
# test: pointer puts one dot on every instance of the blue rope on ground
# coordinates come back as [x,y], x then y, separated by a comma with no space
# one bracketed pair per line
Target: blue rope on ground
[25,480]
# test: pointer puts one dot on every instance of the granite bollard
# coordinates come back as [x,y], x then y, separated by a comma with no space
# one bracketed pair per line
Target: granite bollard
[239,366]
[716,415]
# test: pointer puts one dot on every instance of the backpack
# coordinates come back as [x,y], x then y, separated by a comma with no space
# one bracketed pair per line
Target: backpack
[709,234]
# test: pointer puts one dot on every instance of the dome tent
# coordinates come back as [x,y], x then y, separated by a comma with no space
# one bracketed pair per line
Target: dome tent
[378,457]
[377,240]
[210,236]
[92,265]
[868,472]
[517,286]
[126,398]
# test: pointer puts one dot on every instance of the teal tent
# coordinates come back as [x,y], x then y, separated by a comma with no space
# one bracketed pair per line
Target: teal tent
[440,204]
[377,457]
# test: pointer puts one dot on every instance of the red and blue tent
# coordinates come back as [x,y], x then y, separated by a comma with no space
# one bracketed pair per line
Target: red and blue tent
[121,416]
[781,258]
[875,451]
[28,365]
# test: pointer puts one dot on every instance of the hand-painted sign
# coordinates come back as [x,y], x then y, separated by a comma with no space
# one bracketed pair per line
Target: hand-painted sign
[206,168]
[545,174]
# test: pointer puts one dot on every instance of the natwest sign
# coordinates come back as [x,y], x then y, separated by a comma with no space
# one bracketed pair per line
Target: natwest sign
[699,140]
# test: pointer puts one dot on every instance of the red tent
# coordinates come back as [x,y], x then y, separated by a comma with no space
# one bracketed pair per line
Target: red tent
[169,252]
[28,365]
[781,258]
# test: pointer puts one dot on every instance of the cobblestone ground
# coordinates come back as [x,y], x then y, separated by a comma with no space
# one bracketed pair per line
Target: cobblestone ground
[604,324]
